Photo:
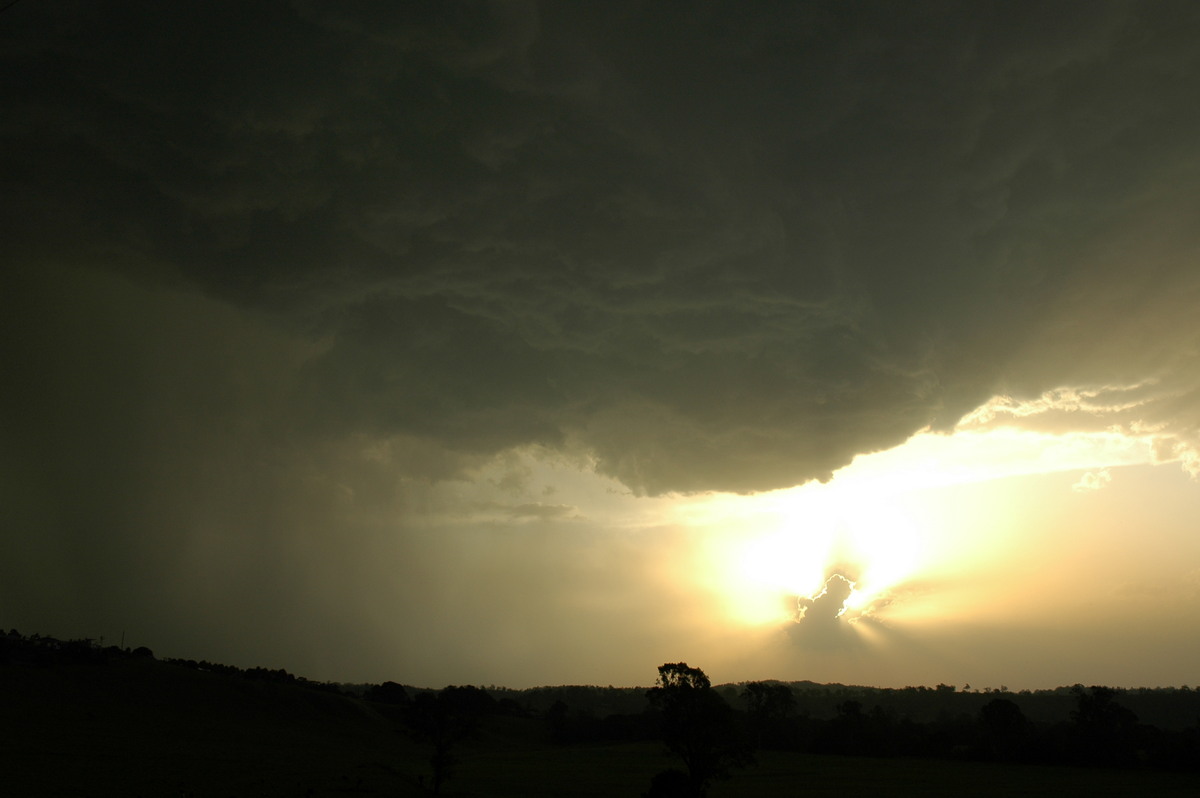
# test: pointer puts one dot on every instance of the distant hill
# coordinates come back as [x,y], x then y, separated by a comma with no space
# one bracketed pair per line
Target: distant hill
[1164,707]
[1167,708]
[104,723]
[78,719]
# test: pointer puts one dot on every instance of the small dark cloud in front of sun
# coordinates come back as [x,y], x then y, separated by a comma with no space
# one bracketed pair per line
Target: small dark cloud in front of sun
[820,619]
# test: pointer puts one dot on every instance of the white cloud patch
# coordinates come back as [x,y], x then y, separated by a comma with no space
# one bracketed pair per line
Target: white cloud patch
[1157,416]
[1092,481]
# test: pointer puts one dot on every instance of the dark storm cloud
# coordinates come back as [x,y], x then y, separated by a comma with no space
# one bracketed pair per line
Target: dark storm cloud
[717,246]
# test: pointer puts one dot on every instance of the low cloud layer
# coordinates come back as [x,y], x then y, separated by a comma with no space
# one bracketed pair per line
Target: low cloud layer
[724,250]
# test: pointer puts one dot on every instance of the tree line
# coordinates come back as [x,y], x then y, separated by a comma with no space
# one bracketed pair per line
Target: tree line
[41,650]
[712,732]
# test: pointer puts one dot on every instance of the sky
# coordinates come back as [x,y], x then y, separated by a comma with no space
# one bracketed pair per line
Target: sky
[528,343]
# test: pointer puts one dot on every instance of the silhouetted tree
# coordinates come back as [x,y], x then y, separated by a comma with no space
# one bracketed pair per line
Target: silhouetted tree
[697,725]
[468,701]
[844,733]
[1005,729]
[1106,732]
[770,708]
[387,693]
[442,720]
[556,721]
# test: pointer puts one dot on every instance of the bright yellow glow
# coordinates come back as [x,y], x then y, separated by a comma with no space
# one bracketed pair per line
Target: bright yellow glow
[935,532]
[811,533]
[891,523]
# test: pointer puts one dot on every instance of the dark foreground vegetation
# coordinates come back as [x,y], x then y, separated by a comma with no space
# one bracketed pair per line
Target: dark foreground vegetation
[81,719]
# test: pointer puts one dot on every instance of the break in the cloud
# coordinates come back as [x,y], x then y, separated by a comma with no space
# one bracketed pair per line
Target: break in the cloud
[292,288]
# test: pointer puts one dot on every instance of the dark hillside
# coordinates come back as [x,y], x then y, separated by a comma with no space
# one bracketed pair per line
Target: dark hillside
[136,726]
[80,720]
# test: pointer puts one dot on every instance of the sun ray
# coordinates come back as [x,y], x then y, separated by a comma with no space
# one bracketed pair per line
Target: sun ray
[891,524]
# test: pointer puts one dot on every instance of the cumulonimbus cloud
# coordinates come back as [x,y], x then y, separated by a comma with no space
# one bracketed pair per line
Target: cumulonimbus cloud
[733,266]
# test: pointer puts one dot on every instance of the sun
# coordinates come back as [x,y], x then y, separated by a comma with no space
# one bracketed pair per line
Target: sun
[896,523]
[784,546]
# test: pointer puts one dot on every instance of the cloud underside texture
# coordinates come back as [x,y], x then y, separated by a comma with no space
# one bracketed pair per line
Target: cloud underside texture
[722,249]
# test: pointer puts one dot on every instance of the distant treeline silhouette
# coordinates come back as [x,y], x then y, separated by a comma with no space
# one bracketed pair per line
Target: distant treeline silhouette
[714,729]
[1097,726]
[1094,725]
[38,649]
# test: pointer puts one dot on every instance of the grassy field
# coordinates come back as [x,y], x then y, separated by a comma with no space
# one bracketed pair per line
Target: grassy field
[142,728]
[625,770]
